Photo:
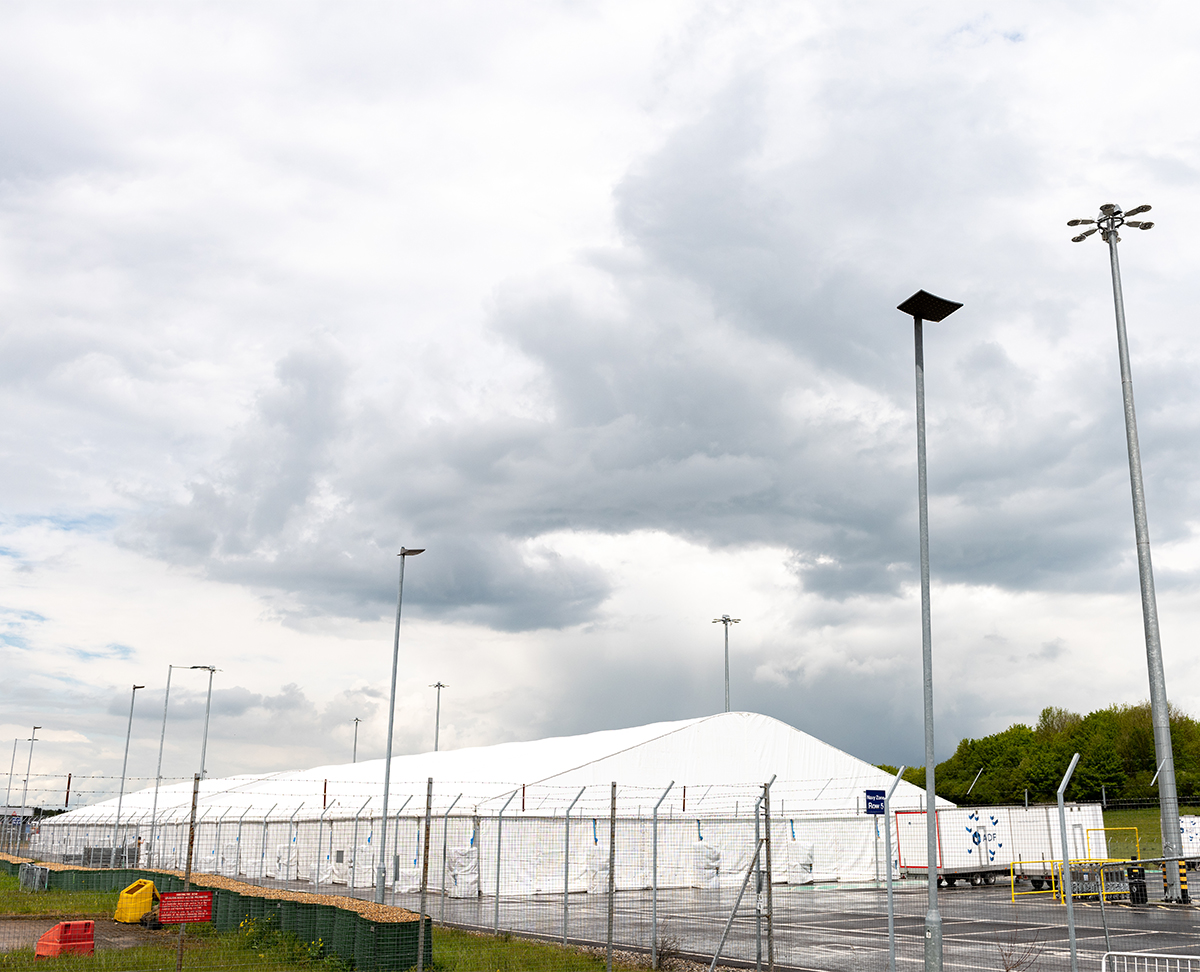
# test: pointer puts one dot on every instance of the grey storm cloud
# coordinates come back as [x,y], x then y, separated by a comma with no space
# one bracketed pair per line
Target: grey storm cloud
[672,410]
[273,309]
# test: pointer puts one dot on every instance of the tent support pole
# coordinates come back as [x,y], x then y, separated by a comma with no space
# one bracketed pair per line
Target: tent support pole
[654,879]
[567,859]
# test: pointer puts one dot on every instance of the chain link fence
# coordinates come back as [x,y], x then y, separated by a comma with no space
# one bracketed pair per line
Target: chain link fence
[740,875]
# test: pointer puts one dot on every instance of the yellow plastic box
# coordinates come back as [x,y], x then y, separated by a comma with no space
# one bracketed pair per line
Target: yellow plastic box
[136,901]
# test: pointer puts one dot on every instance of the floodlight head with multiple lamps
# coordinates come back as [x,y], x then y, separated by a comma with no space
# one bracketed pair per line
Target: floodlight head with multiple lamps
[1110,220]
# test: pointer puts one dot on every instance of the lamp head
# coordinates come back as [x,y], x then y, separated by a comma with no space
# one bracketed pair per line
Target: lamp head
[926,307]
[410,551]
[1138,209]
[1109,209]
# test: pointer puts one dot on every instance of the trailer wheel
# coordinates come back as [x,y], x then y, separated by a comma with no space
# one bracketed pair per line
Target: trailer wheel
[976,880]
[1037,883]
[989,879]
[950,881]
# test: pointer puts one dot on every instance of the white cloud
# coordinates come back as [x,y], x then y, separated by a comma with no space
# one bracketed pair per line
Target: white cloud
[596,302]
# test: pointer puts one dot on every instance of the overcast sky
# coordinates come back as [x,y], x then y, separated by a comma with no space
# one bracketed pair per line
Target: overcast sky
[594,300]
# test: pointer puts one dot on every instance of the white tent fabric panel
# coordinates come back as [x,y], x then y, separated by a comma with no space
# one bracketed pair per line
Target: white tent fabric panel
[293,826]
[712,761]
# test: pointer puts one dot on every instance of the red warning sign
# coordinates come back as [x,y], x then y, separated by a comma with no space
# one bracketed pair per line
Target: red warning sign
[179,907]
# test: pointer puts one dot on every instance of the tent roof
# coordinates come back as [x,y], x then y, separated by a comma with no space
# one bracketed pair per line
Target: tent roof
[724,759]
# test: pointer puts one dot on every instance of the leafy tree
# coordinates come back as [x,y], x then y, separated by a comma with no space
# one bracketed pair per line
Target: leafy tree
[1116,758]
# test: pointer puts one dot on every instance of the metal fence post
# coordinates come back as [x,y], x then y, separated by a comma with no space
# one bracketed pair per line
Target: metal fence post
[757,870]
[396,845]
[217,864]
[237,860]
[733,914]
[567,859]
[887,846]
[445,839]
[354,851]
[287,870]
[320,835]
[612,863]
[1066,857]
[187,875]
[262,860]
[499,823]
[424,877]
[770,901]
[654,880]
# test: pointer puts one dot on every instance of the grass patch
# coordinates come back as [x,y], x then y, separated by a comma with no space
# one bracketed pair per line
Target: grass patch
[1149,830]
[14,901]
[266,948]
[262,946]
[459,951]
[258,946]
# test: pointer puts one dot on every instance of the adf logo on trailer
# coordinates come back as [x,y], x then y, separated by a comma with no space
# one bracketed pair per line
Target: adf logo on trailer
[984,834]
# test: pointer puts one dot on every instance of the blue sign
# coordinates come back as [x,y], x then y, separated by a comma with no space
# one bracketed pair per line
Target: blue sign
[875,801]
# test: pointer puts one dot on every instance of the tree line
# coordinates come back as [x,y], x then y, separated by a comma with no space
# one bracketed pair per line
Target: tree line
[1116,759]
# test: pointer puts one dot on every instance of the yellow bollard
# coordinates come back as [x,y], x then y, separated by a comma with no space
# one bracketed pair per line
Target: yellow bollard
[136,902]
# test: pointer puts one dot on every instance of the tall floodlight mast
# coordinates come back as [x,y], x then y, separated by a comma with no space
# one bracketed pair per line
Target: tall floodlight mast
[437,718]
[726,620]
[1108,224]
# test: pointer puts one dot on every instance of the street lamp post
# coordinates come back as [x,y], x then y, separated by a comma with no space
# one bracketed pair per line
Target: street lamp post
[124,767]
[12,764]
[726,620]
[354,757]
[381,871]
[25,788]
[1108,223]
[207,708]
[922,307]
[162,738]
[437,716]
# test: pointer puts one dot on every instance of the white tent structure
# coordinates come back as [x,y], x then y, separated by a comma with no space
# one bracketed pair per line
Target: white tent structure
[499,814]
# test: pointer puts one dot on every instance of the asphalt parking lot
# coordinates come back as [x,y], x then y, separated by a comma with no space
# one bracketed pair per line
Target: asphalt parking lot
[837,929]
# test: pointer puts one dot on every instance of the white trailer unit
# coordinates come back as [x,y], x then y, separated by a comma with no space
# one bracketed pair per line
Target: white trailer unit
[1189,832]
[979,843]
